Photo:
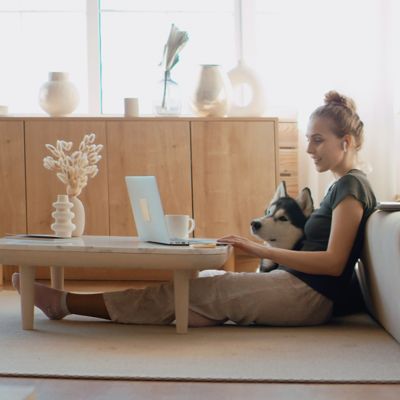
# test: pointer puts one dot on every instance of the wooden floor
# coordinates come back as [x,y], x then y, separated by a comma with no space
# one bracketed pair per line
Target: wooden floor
[76,389]
[63,389]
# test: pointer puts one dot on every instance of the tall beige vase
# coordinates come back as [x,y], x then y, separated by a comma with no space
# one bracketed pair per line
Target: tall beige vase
[212,97]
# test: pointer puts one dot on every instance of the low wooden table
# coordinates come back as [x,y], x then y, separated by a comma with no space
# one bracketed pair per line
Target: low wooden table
[14,392]
[107,251]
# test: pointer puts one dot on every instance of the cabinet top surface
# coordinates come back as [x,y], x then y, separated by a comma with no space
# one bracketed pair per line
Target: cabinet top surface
[41,117]
[100,244]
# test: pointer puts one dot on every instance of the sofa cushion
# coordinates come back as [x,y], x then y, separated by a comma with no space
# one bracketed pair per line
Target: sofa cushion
[379,271]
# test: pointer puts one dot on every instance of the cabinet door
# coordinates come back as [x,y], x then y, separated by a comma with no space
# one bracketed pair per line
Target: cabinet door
[234,174]
[42,185]
[12,182]
[148,148]
[288,156]
[234,177]
[288,170]
[160,148]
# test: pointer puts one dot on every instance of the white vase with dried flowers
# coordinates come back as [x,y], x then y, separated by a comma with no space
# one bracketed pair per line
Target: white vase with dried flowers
[74,170]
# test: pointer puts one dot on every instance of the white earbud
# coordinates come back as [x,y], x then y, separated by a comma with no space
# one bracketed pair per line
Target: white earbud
[344,145]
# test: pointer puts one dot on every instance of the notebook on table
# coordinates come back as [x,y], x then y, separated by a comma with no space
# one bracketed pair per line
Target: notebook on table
[149,215]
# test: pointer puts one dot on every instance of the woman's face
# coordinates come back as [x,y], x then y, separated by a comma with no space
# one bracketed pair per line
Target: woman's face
[325,148]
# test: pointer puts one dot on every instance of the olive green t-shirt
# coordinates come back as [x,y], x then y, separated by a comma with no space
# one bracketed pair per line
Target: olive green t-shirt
[317,230]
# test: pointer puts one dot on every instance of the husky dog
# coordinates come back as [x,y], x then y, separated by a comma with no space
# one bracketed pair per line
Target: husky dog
[283,223]
[283,226]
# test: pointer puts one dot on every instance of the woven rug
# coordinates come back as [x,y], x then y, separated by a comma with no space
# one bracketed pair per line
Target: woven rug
[350,349]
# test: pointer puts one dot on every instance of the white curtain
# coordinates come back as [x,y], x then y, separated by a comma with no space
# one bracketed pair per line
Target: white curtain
[351,46]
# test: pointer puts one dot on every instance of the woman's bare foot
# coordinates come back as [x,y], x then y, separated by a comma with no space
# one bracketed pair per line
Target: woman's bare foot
[51,301]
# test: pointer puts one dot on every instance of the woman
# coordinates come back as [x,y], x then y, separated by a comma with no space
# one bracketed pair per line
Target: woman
[307,283]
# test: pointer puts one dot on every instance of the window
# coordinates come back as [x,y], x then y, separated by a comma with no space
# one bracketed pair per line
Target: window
[133,34]
[39,37]
[110,48]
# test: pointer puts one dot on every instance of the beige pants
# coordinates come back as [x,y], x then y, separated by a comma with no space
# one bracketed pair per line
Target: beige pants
[276,298]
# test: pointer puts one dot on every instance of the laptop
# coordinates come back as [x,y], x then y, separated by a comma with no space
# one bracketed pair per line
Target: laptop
[149,214]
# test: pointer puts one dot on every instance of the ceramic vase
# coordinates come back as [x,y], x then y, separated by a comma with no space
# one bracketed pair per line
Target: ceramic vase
[3,110]
[212,96]
[247,92]
[58,97]
[79,219]
[63,215]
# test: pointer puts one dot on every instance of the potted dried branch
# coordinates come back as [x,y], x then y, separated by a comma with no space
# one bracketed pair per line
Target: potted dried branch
[74,170]
[170,101]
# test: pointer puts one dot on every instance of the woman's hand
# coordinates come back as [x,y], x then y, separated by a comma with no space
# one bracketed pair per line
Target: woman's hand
[246,245]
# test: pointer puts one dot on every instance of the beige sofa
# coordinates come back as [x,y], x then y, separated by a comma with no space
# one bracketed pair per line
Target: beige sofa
[379,270]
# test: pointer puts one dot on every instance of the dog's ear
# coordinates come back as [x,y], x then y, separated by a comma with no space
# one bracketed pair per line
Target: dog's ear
[280,192]
[305,201]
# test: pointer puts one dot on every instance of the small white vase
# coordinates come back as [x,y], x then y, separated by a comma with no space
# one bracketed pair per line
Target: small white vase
[247,92]
[212,96]
[3,110]
[58,97]
[62,225]
[79,219]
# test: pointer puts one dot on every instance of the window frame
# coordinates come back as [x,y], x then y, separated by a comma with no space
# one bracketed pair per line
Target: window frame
[242,28]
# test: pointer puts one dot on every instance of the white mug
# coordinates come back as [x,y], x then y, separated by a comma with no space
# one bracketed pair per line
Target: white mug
[131,107]
[179,226]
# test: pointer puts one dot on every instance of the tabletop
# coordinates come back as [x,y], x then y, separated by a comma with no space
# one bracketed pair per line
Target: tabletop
[100,244]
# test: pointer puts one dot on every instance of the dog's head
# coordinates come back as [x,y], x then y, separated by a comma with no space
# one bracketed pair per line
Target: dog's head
[283,223]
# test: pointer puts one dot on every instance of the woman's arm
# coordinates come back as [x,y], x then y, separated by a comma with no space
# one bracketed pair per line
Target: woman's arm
[346,218]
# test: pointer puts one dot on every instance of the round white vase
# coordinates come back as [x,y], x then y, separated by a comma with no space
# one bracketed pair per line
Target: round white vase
[247,92]
[62,225]
[79,219]
[212,97]
[58,97]
[3,110]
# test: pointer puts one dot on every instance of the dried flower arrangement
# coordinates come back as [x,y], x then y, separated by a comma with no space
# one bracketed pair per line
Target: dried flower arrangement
[74,169]
[175,43]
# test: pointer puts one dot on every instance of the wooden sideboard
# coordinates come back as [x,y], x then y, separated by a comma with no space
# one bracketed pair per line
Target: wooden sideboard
[221,171]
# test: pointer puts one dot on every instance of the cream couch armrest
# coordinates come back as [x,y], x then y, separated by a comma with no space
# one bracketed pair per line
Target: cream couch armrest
[379,272]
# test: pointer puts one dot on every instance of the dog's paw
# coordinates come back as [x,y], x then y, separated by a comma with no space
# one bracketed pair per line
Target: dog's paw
[266,266]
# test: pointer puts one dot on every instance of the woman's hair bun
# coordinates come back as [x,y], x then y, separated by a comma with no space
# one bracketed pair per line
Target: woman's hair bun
[336,98]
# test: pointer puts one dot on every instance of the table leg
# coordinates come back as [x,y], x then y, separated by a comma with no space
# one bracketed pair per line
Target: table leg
[181,294]
[57,277]
[27,291]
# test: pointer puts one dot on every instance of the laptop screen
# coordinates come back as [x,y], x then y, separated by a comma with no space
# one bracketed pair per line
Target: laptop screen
[147,208]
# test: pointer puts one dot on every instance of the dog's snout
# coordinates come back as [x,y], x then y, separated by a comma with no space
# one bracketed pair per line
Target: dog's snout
[255,225]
